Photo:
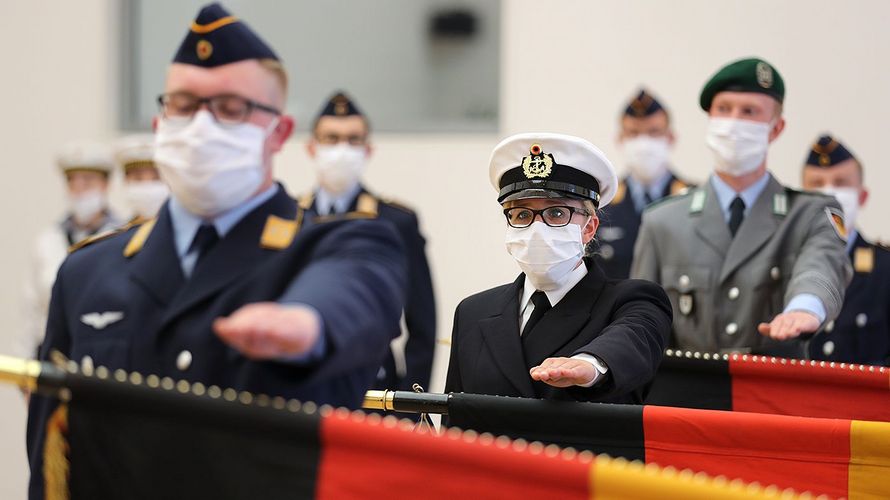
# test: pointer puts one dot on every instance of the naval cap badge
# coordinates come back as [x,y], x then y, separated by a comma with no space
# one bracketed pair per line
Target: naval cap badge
[537,163]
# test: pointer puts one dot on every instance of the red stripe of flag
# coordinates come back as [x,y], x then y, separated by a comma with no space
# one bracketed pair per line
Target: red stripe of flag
[807,454]
[810,389]
[364,460]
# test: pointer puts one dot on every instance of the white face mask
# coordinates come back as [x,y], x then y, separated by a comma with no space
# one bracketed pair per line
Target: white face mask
[146,197]
[739,146]
[646,157]
[210,168]
[339,167]
[848,197]
[546,254]
[86,206]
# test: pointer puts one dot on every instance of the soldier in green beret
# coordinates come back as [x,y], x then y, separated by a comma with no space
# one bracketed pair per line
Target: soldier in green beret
[749,264]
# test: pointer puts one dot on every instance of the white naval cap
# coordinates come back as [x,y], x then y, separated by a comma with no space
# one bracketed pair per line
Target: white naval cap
[134,151]
[546,165]
[83,155]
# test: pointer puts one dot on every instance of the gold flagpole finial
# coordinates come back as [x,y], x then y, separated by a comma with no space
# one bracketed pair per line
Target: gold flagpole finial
[378,400]
[19,371]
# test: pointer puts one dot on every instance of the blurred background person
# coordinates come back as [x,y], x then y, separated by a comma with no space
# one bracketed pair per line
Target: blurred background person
[861,332]
[749,264]
[87,167]
[646,141]
[144,190]
[340,147]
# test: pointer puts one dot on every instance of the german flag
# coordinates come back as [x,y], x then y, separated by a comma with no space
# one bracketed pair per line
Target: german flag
[763,384]
[128,436]
[840,458]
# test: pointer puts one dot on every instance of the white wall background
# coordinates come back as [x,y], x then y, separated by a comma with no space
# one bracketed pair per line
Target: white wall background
[566,66]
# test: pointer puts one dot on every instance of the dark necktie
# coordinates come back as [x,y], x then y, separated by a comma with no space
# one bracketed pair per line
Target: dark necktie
[204,240]
[736,214]
[647,198]
[542,305]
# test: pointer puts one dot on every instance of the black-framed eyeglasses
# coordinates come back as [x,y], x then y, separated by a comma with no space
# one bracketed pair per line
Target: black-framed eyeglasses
[225,108]
[555,216]
[334,139]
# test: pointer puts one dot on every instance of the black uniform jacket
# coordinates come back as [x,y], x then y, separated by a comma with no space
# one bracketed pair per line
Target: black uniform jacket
[624,323]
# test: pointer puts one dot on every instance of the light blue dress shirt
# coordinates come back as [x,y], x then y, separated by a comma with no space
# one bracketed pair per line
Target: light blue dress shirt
[327,203]
[655,190]
[186,225]
[725,194]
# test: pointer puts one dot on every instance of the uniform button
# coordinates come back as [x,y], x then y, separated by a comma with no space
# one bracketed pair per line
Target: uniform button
[684,281]
[607,252]
[733,293]
[184,360]
[732,328]
[828,348]
[829,327]
[775,273]
[86,365]
[861,320]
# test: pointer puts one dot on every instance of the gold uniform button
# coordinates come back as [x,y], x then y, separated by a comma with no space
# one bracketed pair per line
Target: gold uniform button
[828,348]
[184,360]
[829,327]
[733,293]
[775,273]
[732,328]
[684,281]
[86,365]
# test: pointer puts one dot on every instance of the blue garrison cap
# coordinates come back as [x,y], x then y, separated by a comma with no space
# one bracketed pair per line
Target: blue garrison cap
[216,37]
[340,104]
[828,152]
[643,105]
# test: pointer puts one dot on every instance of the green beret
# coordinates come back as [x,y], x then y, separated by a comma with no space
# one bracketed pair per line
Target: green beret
[746,75]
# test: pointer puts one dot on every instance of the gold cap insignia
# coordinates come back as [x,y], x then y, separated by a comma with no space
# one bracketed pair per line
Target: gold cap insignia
[825,151]
[640,105]
[204,49]
[764,75]
[538,163]
[341,105]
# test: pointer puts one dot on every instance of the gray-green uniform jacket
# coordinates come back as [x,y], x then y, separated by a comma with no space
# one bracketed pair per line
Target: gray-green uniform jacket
[721,287]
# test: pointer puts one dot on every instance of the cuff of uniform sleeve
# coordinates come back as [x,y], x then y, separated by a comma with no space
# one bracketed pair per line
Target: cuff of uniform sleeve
[807,302]
[601,368]
[318,350]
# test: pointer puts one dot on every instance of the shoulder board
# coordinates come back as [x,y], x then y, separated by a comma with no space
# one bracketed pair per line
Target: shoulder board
[679,186]
[795,191]
[670,198]
[104,235]
[321,219]
[620,193]
[397,204]
[138,240]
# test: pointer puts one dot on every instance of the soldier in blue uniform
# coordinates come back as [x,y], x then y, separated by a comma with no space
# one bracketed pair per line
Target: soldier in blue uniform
[231,285]
[340,148]
[646,140]
[861,332]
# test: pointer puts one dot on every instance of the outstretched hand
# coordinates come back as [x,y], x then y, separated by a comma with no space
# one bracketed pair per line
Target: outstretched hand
[564,372]
[789,325]
[267,330]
